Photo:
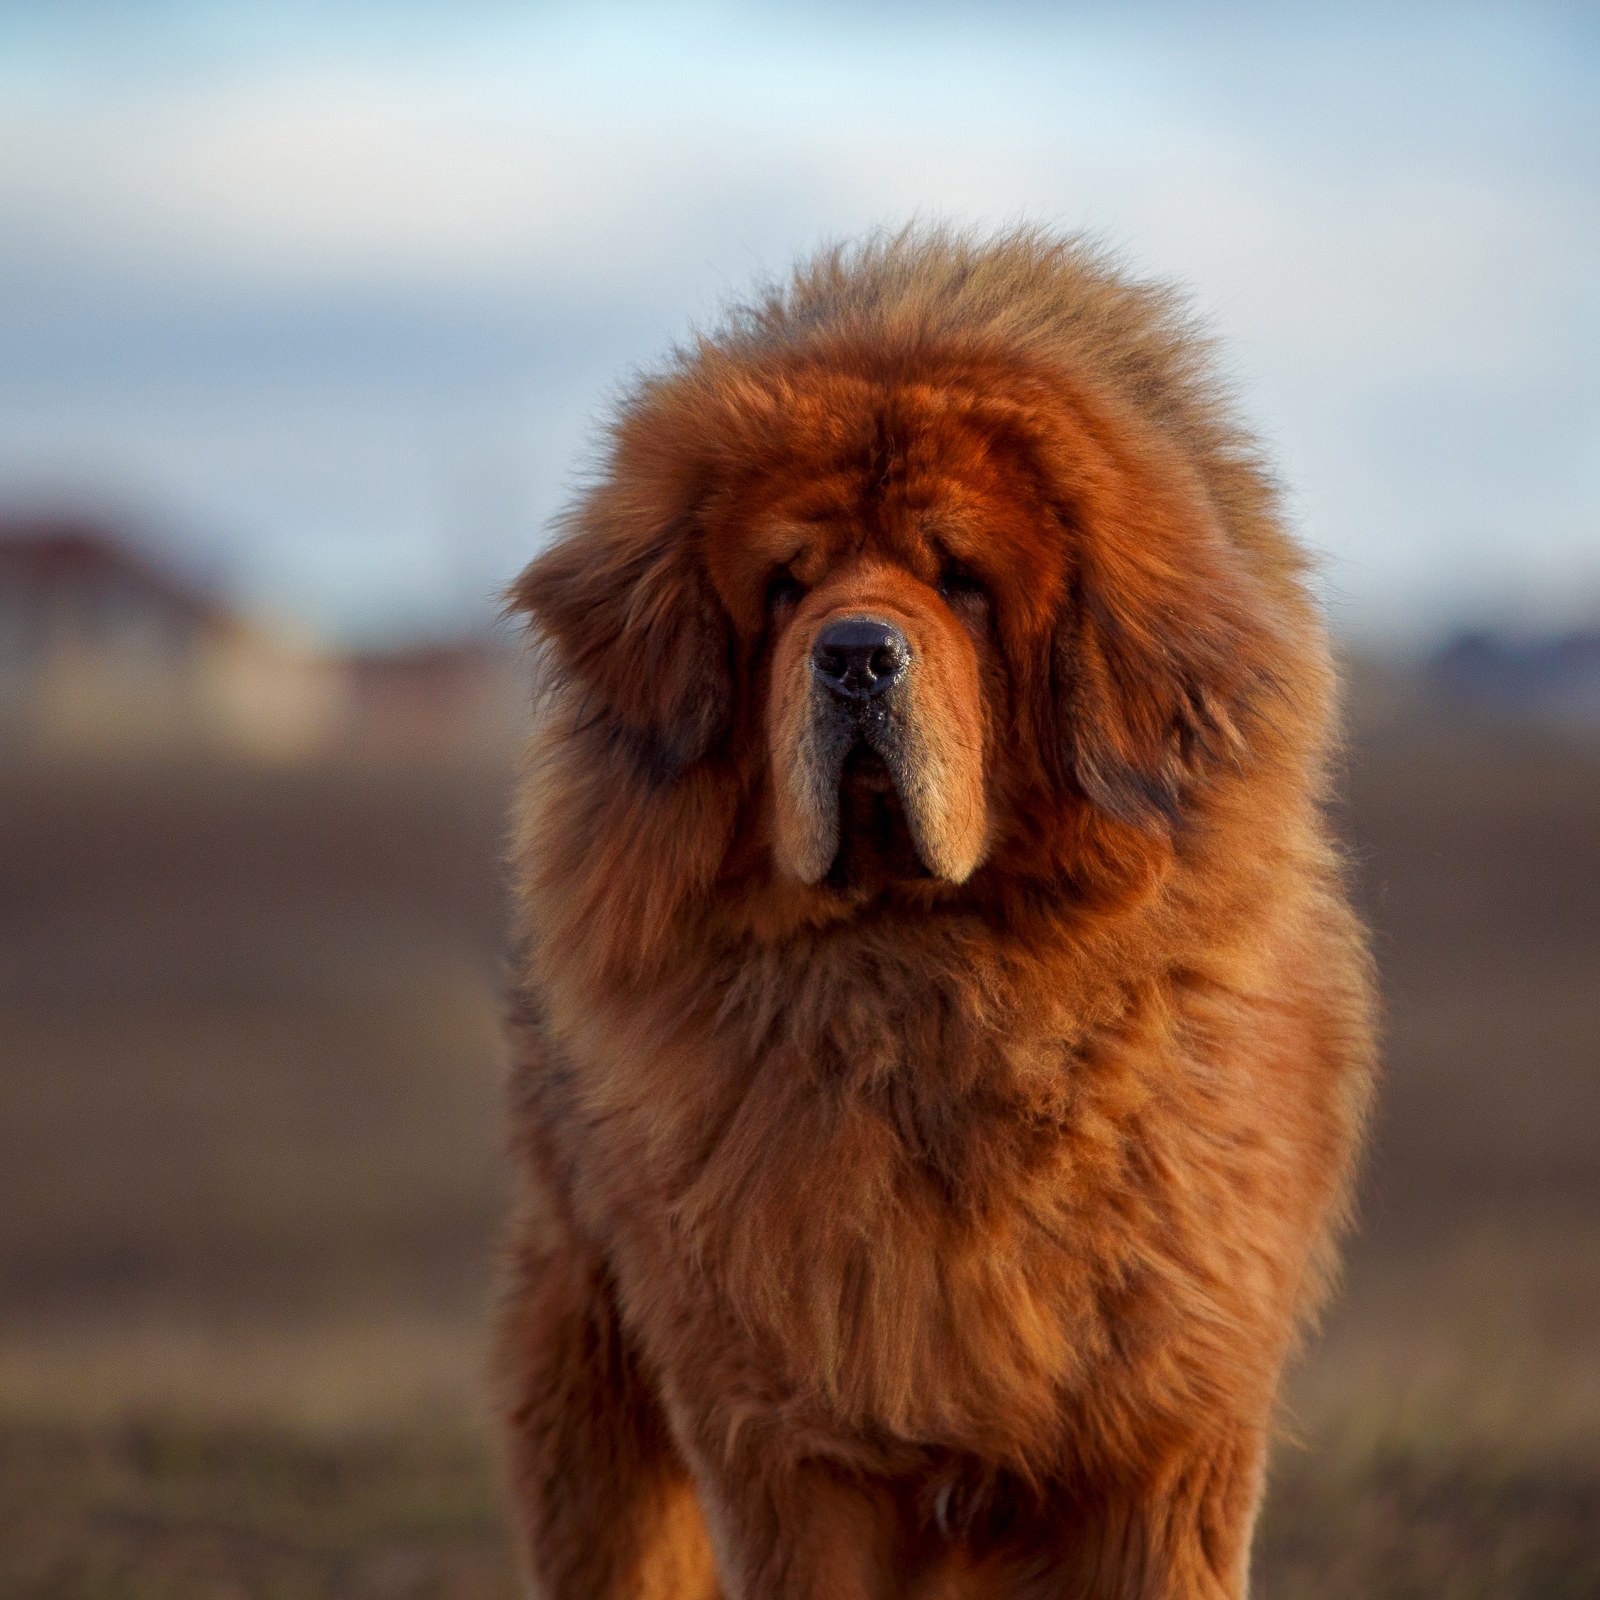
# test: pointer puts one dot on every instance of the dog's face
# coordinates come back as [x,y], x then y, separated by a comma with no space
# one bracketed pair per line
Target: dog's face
[866,577]
[930,619]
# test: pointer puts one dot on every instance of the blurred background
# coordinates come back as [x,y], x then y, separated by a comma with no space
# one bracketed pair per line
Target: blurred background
[306,313]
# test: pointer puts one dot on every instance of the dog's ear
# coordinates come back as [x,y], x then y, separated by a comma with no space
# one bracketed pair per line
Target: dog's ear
[625,608]
[1162,658]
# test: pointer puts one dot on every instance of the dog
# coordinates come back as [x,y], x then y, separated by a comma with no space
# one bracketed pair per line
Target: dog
[942,1038]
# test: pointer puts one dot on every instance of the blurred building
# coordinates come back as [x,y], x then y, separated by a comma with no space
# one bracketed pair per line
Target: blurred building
[459,698]
[102,649]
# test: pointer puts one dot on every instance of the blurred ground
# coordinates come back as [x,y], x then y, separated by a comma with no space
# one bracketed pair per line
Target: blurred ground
[248,1173]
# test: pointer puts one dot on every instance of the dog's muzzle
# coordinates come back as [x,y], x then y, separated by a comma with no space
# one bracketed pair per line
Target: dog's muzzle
[872,788]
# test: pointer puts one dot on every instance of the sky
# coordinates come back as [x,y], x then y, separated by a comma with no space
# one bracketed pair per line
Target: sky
[325,300]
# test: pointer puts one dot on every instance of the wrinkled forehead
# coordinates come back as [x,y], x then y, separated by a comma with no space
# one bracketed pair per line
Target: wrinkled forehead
[916,475]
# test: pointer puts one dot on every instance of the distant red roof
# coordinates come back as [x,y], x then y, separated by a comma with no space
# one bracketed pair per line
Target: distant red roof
[68,553]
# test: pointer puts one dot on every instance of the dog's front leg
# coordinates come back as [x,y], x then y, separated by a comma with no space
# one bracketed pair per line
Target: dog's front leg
[797,1531]
[1182,1534]
[605,1506]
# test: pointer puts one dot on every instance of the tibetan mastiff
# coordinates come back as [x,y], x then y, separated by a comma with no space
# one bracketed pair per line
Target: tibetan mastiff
[942,1037]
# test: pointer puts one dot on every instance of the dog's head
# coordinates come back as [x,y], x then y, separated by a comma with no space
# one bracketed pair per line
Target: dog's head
[933,615]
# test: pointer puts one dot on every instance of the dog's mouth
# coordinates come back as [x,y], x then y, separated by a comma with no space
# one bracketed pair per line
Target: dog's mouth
[876,844]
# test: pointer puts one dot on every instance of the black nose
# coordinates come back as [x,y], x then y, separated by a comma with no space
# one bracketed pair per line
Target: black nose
[858,657]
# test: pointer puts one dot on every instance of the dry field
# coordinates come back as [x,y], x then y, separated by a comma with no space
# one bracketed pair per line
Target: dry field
[248,1172]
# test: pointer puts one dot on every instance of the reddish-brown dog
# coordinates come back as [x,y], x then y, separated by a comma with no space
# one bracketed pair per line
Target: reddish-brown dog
[942,1035]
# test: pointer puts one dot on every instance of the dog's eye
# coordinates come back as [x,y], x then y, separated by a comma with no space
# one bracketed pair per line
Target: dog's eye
[784,590]
[956,584]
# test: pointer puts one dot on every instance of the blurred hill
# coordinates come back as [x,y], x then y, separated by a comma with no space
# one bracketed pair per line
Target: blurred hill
[249,1173]
[1552,676]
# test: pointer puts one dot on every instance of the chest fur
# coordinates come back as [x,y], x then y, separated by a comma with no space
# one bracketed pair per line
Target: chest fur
[911,1244]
